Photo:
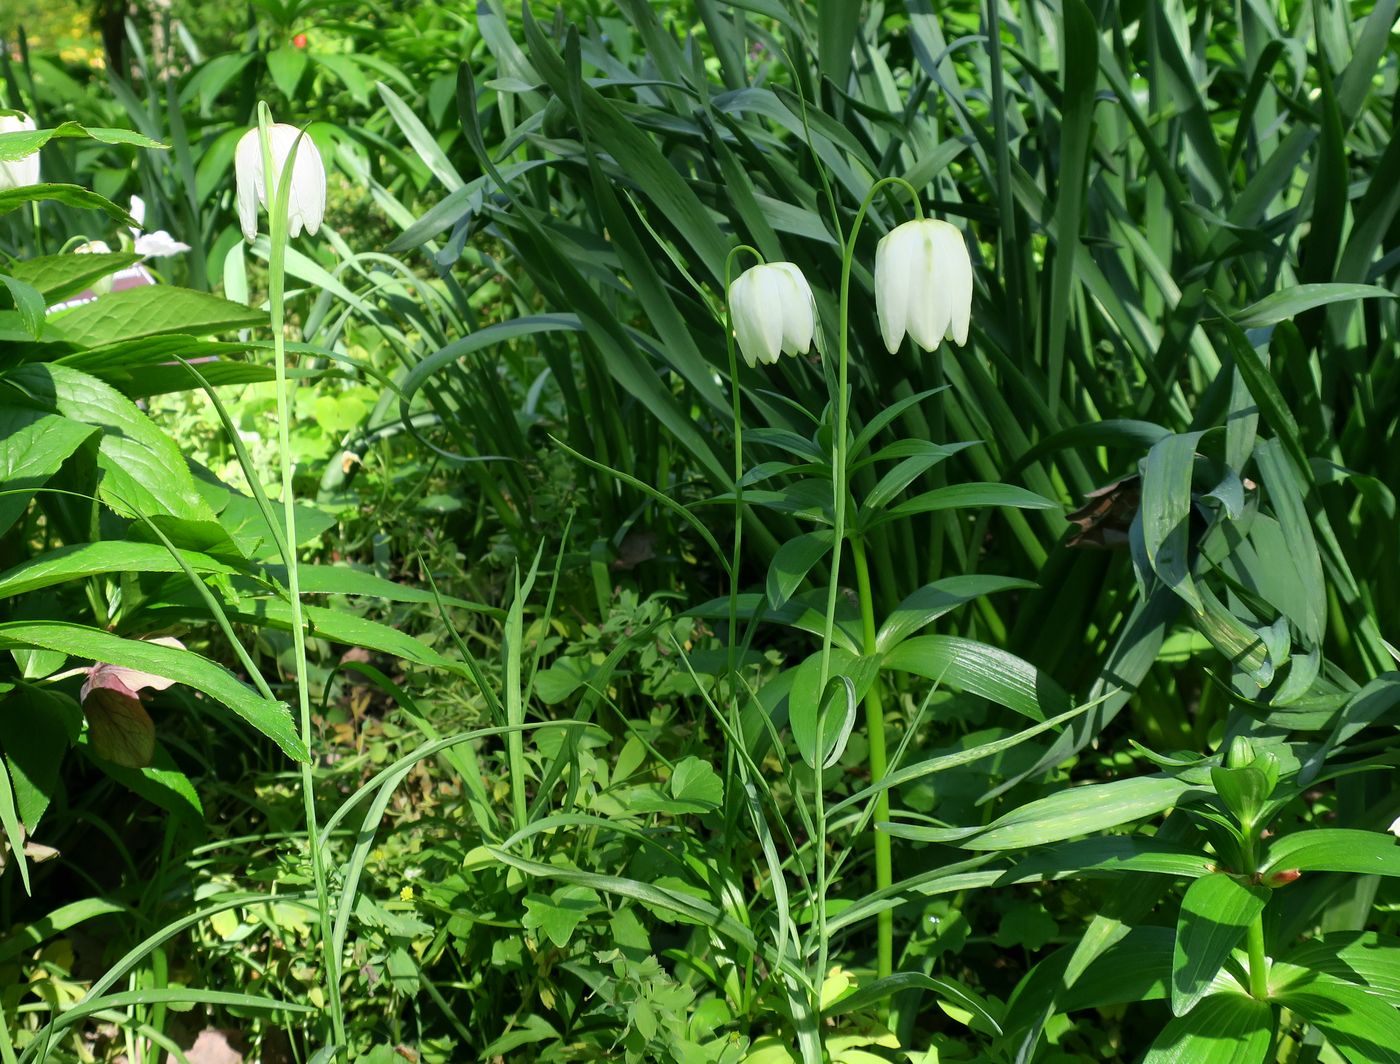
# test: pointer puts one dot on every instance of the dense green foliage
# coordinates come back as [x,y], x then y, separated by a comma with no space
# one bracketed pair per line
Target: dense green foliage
[1022,700]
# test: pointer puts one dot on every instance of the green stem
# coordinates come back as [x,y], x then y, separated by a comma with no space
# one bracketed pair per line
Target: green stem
[277,236]
[875,736]
[840,489]
[1258,962]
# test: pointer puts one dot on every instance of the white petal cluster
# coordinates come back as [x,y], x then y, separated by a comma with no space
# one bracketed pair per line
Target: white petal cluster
[18,173]
[307,203]
[773,312]
[923,284]
[157,245]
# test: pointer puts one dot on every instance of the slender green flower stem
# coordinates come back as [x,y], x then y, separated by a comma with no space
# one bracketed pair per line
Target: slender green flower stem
[277,236]
[1254,936]
[875,727]
[841,401]
[738,468]
[1258,962]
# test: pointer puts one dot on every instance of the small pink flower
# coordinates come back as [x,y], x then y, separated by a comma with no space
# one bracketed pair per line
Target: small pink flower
[299,41]
[119,728]
[124,681]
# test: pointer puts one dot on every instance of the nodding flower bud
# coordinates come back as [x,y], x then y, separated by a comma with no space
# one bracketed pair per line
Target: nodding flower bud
[307,204]
[773,313]
[923,284]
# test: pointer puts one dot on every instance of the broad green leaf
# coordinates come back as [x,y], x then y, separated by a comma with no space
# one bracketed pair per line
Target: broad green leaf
[59,276]
[882,989]
[965,665]
[695,783]
[1286,494]
[161,782]
[91,559]
[28,301]
[1110,856]
[153,310]
[1334,850]
[806,698]
[15,146]
[33,445]
[1080,71]
[793,561]
[286,65]
[340,626]
[1135,968]
[934,600]
[12,199]
[1166,513]
[347,580]
[37,726]
[141,466]
[1074,811]
[1215,912]
[1290,302]
[1116,432]
[151,354]
[1364,957]
[967,496]
[272,719]
[1229,1028]
[420,139]
[559,914]
[1365,1028]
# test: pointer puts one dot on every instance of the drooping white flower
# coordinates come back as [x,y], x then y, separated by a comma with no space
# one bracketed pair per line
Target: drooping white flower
[923,284]
[158,245]
[307,204]
[773,312]
[17,173]
[1395,827]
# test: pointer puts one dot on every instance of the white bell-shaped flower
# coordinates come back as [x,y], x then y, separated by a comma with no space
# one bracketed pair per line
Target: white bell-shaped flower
[17,173]
[307,204]
[923,284]
[773,312]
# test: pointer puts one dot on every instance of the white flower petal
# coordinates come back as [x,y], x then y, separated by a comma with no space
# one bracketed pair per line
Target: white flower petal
[923,284]
[248,174]
[769,289]
[799,310]
[306,201]
[928,312]
[746,333]
[955,269]
[19,173]
[159,245]
[892,287]
[138,211]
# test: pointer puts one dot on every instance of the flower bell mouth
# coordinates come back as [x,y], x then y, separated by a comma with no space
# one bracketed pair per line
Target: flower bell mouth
[923,284]
[773,313]
[306,205]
